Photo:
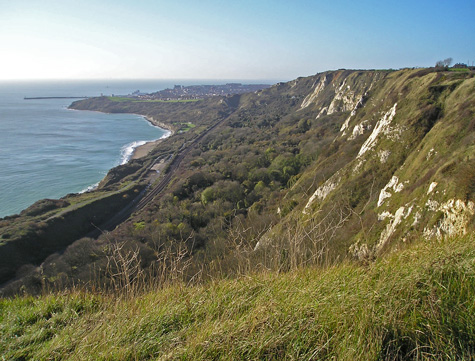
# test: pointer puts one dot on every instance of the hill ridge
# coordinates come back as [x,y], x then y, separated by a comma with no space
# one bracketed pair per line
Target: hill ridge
[345,163]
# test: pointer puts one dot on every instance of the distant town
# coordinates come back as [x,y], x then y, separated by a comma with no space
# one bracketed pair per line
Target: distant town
[180,92]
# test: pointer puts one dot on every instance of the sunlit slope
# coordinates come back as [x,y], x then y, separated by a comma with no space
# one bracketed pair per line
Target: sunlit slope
[401,166]
[416,304]
[342,164]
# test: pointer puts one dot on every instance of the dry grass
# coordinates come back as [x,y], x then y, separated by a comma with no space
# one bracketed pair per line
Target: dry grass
[417,304]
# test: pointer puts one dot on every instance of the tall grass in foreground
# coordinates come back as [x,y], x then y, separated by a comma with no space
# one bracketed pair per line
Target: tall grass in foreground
[416,304]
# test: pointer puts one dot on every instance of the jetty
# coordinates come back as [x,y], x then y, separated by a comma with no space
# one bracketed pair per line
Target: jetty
[32,98]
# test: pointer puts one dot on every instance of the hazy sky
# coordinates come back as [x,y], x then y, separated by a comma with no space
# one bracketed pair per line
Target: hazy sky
[240,39]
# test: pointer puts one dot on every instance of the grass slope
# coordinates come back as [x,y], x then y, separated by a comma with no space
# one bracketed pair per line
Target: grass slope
[414,304]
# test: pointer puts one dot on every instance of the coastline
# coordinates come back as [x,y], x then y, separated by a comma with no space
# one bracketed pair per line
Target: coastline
[143,149]
[139,149]
[136,149]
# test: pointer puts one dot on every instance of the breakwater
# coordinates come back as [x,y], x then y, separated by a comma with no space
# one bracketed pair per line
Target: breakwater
[32,98]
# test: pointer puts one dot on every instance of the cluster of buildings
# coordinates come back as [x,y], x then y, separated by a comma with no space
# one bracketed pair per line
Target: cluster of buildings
[180,92]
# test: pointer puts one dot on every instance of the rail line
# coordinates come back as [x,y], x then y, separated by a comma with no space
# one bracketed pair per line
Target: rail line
[147,195]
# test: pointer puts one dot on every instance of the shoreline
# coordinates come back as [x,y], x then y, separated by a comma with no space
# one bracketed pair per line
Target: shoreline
[139,149]
[143,149]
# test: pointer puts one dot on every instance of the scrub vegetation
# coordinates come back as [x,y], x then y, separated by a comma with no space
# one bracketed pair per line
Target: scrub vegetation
[330,217]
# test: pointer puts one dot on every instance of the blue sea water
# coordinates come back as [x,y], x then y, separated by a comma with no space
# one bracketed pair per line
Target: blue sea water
[48,151]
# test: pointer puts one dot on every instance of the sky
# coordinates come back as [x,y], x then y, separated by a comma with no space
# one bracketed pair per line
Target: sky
[240,39]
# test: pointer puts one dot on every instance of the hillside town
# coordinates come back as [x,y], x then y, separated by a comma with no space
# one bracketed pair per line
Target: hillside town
[180,92]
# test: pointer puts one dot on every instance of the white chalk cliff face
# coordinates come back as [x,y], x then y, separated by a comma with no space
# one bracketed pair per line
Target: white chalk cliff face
[335,93]
[395,157]
[312,97]
[382,127]
[393,185]
[323,191]
[456,215]
[360,129]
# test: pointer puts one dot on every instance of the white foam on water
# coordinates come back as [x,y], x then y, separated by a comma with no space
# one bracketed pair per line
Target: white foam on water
[128,150]
[90,188]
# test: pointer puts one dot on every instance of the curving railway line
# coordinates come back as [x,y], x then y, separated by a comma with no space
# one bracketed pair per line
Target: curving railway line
[148,194]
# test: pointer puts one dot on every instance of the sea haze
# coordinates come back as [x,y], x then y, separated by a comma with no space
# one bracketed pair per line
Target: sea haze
[48,151]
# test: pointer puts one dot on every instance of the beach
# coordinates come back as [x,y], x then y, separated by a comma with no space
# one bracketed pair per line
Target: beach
[144,149]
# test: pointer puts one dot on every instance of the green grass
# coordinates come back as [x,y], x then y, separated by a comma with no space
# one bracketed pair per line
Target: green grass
[460,69]
[133,100]
[186,127]
[416,304]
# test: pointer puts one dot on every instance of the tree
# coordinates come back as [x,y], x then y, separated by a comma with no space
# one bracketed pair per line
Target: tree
[443,63]
[447,62]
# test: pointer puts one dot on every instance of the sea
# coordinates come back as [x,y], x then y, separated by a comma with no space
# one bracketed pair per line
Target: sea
[48,150]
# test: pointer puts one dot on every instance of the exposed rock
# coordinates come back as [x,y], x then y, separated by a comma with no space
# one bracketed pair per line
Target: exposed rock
[456,216]
[343,101]
[323,111]
[432,205]
[431,153]
[394,185]
[361,252]
[384,215]
[312,97]
[359,129]
[382,126]
[359,104]
[431,187]
[384,155]
[322,192]
[417,218]
[398,217]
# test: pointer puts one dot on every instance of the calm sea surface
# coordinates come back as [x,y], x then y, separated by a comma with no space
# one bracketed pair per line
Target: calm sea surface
[48,151]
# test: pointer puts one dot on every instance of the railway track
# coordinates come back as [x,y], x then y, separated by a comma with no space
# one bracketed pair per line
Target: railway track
[148,194]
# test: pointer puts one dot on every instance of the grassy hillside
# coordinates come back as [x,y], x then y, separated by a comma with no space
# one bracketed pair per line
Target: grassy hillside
[414,304]
[341,165]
